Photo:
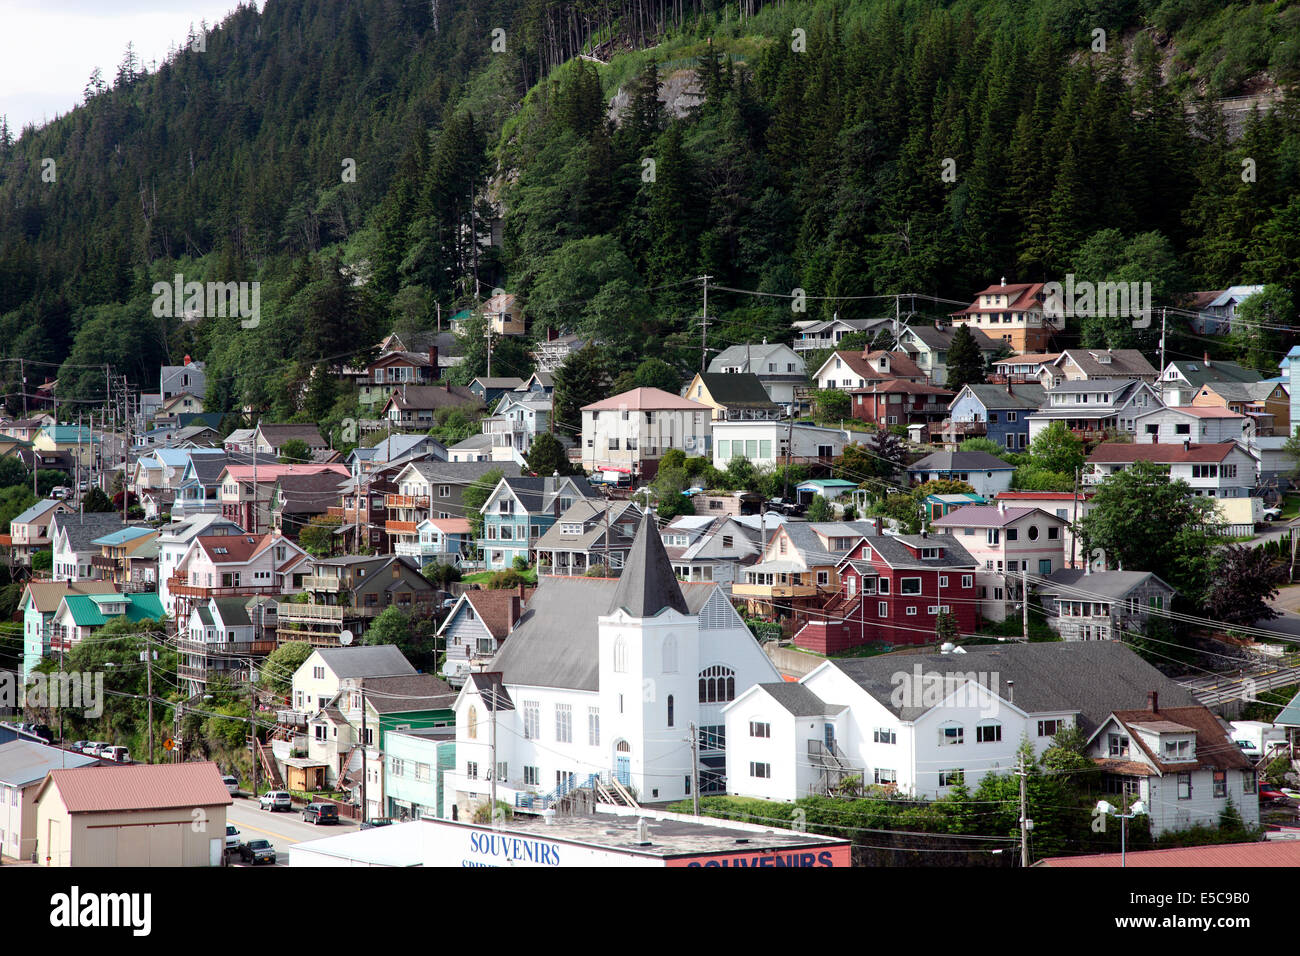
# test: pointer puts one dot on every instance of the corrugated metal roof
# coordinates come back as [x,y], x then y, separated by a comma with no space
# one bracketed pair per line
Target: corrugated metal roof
[161,786]
[1276,853]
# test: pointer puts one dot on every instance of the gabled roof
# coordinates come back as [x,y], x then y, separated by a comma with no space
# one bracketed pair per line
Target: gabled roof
[510,382]
[491,689]
[896,550]
[648,584]
[859,362]
[536,495]
[276,435]
[24,762]
[960,461]
[159,786]
[380,660]
[461,472]
[1006,396]
[646,399]
[754,354]
[1090,678]
[1110,585]
[555,643]
[941,338]
[1243,391]
[1123,362]
[1199,373]
[493,608]
[123,536]
[406,693]
[1214,749]
[140,606]
[797,700]
[900,385]
[591,512]
[420,397]
[1161,453]
[39,510]
[233,548]
[83,528]
[46,596]
[1021,296]
[736,389]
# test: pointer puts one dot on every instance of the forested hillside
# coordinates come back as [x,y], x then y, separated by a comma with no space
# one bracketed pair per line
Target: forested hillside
[849,149]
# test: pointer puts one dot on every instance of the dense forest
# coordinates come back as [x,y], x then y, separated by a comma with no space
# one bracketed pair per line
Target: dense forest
[378,164]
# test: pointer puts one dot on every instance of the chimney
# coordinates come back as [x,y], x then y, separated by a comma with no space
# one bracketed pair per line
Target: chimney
[1004,280]
[1011,692]
[1002,507]
[1010,391]
[1153,702]
[513,614]
[434,372]
[187,360]
[521,592]
[1187,444]
[1205,358]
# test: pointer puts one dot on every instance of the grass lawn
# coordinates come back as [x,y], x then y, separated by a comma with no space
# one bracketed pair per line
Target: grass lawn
[1290,507]
[483,577]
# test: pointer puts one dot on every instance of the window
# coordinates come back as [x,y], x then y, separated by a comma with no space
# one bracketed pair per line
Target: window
[886,776]
[951,778]
[670,710]
[1053,534]
[884,735]
[564,723]
[1177,750]
[1220,784]
[717,684]
[943,580]
[620,656]
[909,586]
[472,724]
[1049,728]
[1184,786]
[757,729]
[1248,781]
[1013,534]
[823,578]
[532,720]
[882,608]
[950,734]
[471,769]
[761,770]
[1117,745]
[911,610]
[444,491]
[988,733]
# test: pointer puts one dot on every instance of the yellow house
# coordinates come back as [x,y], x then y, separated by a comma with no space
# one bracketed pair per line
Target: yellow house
[183,403]
[74,440]
[170,814]
[504,315]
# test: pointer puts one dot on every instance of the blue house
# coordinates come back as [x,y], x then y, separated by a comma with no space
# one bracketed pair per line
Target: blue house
[1002,409]
[521,509]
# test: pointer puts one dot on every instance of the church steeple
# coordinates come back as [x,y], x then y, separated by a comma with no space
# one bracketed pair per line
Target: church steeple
[648,584]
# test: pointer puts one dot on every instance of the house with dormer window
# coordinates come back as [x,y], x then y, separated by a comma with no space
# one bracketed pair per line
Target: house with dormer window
[1179,761]
[521,509]
[1092,409]
[592,533]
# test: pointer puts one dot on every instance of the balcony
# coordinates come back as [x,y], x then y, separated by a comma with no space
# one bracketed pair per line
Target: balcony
[311,613]
[400,527]
[773,591]
[322,582]
[957,431]
[100,561]
[406,501]
[348,515]
[179,587]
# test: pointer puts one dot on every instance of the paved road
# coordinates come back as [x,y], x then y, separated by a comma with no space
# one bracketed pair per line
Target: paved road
[283,829]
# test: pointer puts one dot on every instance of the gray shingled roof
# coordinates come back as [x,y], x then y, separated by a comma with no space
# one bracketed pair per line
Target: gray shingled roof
[538,494]
[1021,396]
[555,643]
[1109,585]
[492,690]
[960,461]
[1092,678]
[84,528]
[407,693]
[892,548]
[798,700]
[381,660]
[648,584]
[462,472]
[738,389]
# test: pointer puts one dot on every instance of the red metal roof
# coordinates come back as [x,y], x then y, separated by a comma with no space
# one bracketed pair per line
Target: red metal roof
[1277,853]
[162,786]
[1020,296]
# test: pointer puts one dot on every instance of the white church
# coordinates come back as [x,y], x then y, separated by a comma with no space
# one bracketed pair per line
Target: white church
[597,689]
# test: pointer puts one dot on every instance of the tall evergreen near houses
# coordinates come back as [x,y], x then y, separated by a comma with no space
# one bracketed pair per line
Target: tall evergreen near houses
[965,363]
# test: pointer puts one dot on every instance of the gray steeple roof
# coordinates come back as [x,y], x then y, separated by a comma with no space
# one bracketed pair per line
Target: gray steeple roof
[648,584]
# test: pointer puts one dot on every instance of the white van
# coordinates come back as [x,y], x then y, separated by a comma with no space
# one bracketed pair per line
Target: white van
[116,754]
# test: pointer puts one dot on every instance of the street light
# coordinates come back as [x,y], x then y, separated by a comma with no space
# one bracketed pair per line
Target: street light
[1138,809]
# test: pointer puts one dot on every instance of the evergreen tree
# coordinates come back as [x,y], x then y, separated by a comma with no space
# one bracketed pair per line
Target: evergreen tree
[965,362]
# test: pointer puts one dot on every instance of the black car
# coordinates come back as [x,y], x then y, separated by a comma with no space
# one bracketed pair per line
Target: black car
[257,851]
[319,813]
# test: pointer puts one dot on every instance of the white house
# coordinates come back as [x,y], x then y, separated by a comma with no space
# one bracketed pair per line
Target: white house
[986,473]
[600,683]
[780,368]
[622,432]
[705,548]
[1219,470]
[1204,424]
[923,723]
[72,537]
[176,539]
[770,443]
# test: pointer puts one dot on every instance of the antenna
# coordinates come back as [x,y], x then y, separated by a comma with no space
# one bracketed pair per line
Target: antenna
[345,637]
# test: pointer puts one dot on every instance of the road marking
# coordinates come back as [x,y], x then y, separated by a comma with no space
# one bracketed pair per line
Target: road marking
[272,833]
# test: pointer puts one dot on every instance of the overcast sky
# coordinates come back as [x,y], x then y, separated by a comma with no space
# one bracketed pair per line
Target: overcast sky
[48,48]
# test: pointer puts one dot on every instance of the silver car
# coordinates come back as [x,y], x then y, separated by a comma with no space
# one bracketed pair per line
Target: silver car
[274,800]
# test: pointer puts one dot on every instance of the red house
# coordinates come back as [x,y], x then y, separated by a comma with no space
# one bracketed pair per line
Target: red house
[892,589]
[900,403]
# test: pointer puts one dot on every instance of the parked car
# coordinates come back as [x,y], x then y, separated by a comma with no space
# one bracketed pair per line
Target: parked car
[1270,793]
[116,754]
[61,491]
[274,800]
[79,745]
[95,748]
[377,822]
[1272,514]
[232,837]
[257,851]
[319,813]
[232,784]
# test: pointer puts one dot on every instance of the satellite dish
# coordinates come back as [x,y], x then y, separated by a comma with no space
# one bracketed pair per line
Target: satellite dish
[345,638]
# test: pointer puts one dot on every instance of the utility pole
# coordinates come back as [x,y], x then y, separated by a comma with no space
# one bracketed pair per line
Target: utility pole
[487,334]
[789,446]
[1161,379]
[492,742]
[148,670]
[1074,535]
[252,724]
[695,770]
[22,377]
[704,329]
[1024,600]
[365,754]
[254,482]
[1024,814]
